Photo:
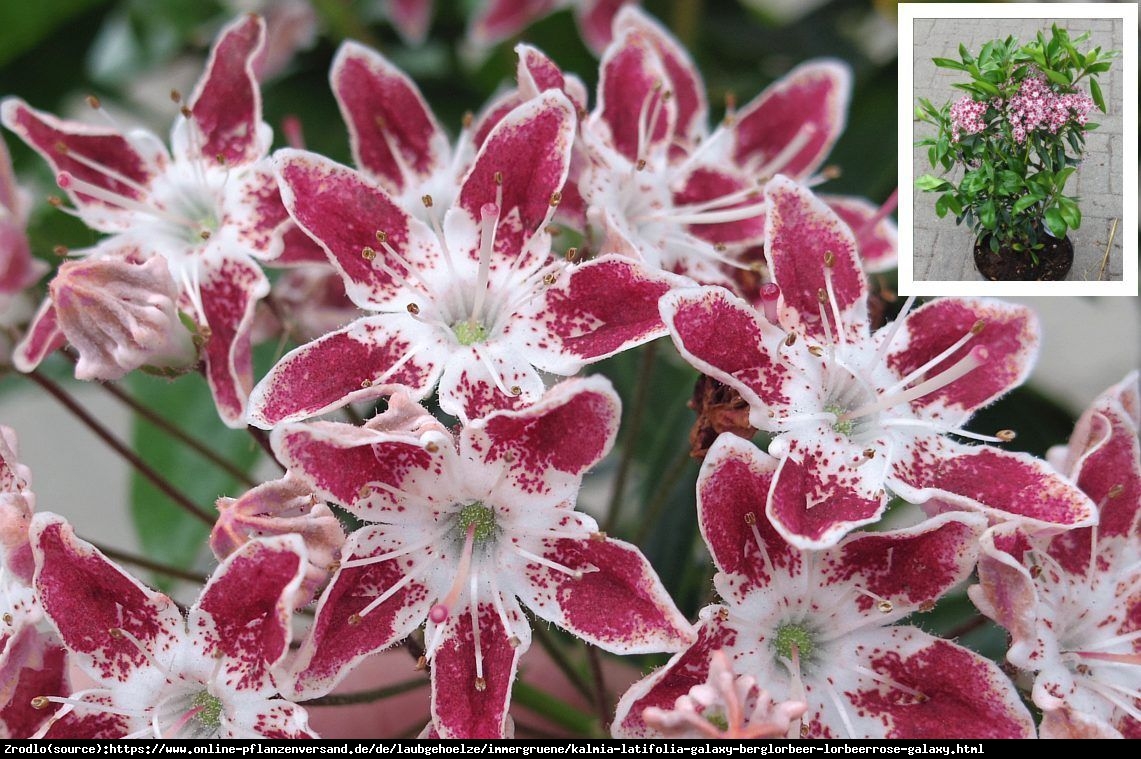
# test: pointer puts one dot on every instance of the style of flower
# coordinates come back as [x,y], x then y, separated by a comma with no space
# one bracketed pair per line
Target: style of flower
[818,626]
[32,658]
[209,207]
[457,533]
[858,416]
[159,675]
[727,705]
[1072,602]
[477,303]
[661,188]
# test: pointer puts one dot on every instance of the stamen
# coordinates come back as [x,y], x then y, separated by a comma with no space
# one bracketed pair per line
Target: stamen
[829,262]
[396,588]
[442,609]
[574,573]
[68,181]
[978,356]
[873,675]
[975,329]
[894,328]
[751,520]
[473,607]
[778,162]
[887,207]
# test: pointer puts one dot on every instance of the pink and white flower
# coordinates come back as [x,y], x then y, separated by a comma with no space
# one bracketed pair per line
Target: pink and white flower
[461,534]
[1072,602]
[476,304]
[662,188]
[209,207]
[819,626]
[857,416]
[32,658]
[159,675]
[19,269]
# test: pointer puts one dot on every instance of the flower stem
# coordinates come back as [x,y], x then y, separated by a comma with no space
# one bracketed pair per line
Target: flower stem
[559,657]
[180,435]
[262,438]
[563,714]
[154,566]
[601,698]
[677,467]
[367,696]
[120,448]
[630,433]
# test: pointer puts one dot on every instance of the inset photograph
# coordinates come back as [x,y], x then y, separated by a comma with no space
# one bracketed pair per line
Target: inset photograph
[1018,156]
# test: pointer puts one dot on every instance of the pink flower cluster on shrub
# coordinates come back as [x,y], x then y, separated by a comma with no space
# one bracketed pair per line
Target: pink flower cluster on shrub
[967,116]
[1037,106]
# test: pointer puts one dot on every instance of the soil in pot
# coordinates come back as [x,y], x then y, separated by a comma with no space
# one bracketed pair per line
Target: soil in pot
[1054,261]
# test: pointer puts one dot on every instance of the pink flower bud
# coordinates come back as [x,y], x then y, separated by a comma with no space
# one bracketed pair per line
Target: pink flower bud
[120,315]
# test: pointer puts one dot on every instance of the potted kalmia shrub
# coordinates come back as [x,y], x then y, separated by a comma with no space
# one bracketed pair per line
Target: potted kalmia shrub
[1018,136]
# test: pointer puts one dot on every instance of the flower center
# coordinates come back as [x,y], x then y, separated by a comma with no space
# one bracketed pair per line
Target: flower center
[209,711]
[479,515]
[793,638]
[469,332]
[844,426]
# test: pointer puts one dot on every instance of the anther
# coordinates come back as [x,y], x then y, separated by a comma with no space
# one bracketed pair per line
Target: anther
[421,664]
[355,619]
[978,326]
[366,382]
[598,537]
[822,295]
[426,200]
[204,234]
[498,177]
[1115,491]
[869,453]
[364,492]
[368,253]
[1006,435]
[480,684]
[61,148]
[571,254]
[641,164]
[381,237]
[516,390]
[803,731]
[432,448]
[790,339]
[7,618]
[413,309]
[816,350]
[220,159]
[750,518]
[514,641]
[829,259]
[115,633]
[927,606]
[175,96]
[93,102]
[55,201]
[60,250]
[333,566]
[40,702]
[549,279]
[1035,572]
[467,119]
[185,111]
[556,198]
[509,457]
[720,247]
[885,606]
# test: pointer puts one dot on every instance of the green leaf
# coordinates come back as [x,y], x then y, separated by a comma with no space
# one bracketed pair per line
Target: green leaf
[947,63]
[1095,93]
[953,204]
[987,87]
[930,183]
[1071,214]
[1055,223]
[987,214]
[965,54]
[993,244]
[1025,202]
[1057,77]
[166,532]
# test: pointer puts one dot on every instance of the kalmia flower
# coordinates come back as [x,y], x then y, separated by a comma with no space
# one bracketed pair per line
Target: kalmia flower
[19,269]
[857,416]
[119,315]
[459,532]
[818,626]
[660,187]
[32,658]
[159,675]
[477,304]
[281,507]
[209,207]
[727,705]
[1072,602]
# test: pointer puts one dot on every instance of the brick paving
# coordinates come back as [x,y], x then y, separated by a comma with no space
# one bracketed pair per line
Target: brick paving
[942,250]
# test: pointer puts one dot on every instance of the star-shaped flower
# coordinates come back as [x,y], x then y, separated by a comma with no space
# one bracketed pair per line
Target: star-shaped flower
[459,533]
[477,303]
[159,675]
[662,188]
[818,626]
[857,416]
[1072,602]
[209,207]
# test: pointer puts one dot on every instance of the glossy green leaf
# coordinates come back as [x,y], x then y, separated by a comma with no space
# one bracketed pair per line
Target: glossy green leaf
[947,63]
[931,183]
[1025,202]
[1095,93]
[1055,223]
[1057,77]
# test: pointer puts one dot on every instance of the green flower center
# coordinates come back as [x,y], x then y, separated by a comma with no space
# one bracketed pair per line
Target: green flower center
[209,713]
[791,635]
[482,517]
[469,332]
[846,426]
